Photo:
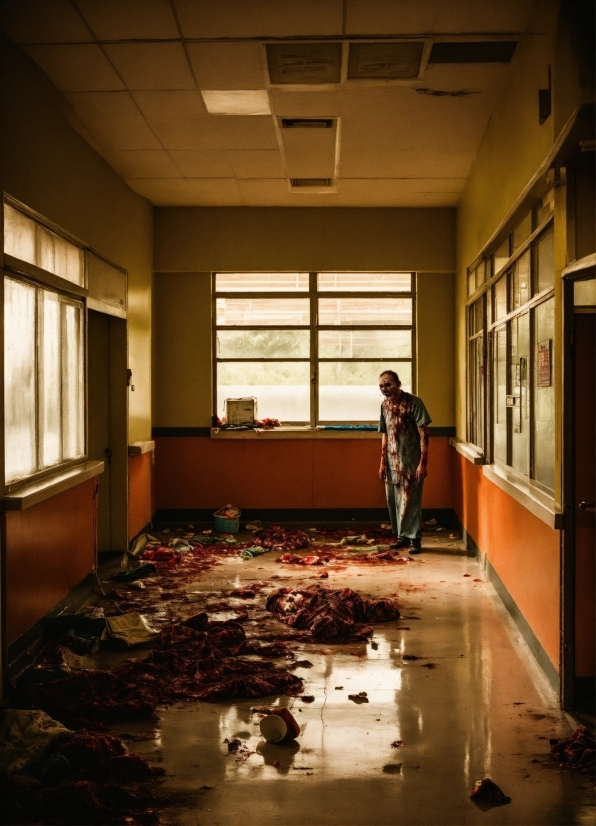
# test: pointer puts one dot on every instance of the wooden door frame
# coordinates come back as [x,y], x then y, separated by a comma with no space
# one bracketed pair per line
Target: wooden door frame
[567,694]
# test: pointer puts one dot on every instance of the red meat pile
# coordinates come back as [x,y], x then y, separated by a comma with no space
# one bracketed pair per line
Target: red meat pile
[86,779]
[197,660]
[281,540]
[577,751]
[328,615]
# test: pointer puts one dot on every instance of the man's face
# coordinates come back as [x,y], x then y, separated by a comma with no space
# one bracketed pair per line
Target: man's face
[388,386]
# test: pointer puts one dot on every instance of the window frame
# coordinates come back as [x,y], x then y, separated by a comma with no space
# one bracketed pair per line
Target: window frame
[28,273]
[491,325]
[313,294]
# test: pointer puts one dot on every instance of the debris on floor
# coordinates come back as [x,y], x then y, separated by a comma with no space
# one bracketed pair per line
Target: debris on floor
[281,539]
[53,775]
[577,751]
[485,791]
[326,614]
[361,697]
[295,559]
[280,726]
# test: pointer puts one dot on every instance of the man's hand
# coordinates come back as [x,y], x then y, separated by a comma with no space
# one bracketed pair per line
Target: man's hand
[382,472]
[421,472]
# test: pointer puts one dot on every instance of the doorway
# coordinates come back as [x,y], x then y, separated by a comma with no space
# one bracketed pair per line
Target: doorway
[580,540]
[107,430]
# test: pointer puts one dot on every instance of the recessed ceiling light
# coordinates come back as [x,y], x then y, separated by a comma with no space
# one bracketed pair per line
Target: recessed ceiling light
[237,102]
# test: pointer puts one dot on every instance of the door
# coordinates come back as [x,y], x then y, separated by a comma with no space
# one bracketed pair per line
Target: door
[108,425]
[584,338]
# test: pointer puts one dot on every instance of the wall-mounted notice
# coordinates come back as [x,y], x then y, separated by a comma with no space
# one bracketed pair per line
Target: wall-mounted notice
[544,369]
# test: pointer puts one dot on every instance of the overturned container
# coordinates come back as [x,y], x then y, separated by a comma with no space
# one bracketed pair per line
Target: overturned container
[280,726]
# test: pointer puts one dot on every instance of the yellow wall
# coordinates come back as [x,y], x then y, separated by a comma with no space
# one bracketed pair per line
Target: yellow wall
[47,166]
[191,242]
[202,239]
[182,349]
[515,146]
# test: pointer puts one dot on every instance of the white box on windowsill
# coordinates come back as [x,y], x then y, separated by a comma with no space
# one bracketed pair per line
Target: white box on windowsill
[240,411]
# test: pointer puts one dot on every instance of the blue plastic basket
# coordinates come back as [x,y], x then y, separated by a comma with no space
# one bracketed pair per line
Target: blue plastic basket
[225,525]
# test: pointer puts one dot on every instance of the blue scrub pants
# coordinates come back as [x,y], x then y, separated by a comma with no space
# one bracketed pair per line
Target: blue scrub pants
[405,512]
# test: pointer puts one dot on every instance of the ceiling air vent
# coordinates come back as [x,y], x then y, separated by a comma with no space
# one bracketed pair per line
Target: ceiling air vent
[384,61]
[305,183]
[307,123]
[304,63]
[482,51]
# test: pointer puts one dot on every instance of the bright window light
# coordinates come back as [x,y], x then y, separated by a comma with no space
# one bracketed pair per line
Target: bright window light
[237,102]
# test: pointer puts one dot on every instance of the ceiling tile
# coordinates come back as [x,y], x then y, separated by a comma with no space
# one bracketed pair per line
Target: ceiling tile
[76,68]
[291,104]
[215,191]
[163,191]
[490,16]
[383,192]
[144,163]
[236,18]
[113,119]
[235,65]
[237,132]
[189,191]
[391,16]
[172,104]
[189,132]
[151,66]
[203,164]
[402,163]
[257,163]
[129,20]
[277,193]
[37,21]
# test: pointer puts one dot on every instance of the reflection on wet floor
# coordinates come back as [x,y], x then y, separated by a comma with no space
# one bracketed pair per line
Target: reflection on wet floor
[472,704]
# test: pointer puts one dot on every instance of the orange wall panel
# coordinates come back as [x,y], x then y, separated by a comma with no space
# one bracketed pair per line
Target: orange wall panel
[50,548]
[522,549]
[194,472]
[140,492]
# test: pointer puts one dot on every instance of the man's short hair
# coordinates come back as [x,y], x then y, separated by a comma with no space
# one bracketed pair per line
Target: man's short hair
[393,375]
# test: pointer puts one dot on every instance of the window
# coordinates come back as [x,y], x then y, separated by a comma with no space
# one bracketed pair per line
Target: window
[310,346]
[32,242]
[44,390]
[511,406]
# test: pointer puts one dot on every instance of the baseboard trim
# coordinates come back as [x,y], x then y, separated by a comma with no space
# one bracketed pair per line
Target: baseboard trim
[319,515]
[522,625]
[22,650]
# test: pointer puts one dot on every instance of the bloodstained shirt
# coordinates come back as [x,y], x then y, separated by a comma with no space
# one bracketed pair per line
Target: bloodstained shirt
[400,420]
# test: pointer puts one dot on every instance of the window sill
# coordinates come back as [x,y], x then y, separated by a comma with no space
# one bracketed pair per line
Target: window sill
[36,492]
[137,448]
[289,432]
[472,453]
[538,503]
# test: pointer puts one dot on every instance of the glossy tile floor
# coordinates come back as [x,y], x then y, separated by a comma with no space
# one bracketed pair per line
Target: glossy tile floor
[482,709]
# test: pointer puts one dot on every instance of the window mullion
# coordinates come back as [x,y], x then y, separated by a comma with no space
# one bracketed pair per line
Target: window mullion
[39,379]
[314,351]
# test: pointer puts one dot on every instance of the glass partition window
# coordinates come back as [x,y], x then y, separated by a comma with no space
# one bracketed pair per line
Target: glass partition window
[519,399]
[32,242]
[44,380]
[310,346]
[476,392]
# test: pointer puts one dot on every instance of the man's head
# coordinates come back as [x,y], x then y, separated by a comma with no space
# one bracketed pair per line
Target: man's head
[389,383]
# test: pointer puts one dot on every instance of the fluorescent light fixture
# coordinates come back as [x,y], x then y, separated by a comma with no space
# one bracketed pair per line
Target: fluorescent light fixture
[237,102]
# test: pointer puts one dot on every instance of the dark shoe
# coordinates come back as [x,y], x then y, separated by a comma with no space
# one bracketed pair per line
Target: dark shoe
[415,547]
[402,542]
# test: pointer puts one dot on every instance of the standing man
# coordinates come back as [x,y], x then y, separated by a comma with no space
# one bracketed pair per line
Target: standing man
[404,453]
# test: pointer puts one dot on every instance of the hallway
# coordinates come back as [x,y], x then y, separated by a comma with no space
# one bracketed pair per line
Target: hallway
[482,709]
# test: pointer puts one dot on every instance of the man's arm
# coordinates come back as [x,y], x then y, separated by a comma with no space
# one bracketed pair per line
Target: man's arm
[383,467]
[421,469]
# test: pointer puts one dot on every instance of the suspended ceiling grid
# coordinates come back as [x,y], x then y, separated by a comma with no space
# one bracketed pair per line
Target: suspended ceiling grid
[132,73]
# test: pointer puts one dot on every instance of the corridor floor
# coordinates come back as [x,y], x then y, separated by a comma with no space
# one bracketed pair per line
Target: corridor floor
[474,705]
